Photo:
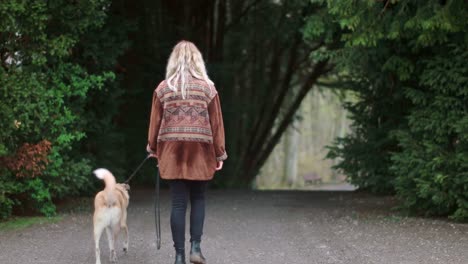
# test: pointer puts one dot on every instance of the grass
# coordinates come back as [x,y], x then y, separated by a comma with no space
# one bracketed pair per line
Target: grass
[64,207]
[19,223]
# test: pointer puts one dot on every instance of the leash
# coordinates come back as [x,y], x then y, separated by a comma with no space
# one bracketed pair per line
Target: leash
[157,211]
[137,169]
[157,207]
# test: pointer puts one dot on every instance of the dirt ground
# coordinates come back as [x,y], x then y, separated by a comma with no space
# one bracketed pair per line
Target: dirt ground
[253,227]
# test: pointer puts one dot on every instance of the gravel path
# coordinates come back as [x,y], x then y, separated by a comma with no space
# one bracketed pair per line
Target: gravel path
[257,227]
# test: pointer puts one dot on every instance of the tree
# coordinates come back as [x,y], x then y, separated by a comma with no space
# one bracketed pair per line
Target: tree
[404,60]
[49,75]
[256,55]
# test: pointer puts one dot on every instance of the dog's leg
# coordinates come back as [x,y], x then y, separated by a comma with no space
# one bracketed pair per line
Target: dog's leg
[97,236]
[111,240]
[125,248]
[123,225]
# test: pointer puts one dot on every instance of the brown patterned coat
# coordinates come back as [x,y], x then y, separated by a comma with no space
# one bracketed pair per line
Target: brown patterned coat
[187,135]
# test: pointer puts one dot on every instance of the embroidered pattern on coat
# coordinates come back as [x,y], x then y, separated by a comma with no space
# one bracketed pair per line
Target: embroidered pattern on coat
[186,119]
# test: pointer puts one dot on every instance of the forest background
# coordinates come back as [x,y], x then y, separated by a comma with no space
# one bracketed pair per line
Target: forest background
[76,80]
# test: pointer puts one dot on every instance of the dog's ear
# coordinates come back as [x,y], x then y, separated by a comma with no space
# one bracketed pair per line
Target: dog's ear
[127,187]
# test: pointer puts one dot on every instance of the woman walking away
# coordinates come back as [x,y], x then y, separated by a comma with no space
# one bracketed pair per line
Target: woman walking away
[186,135]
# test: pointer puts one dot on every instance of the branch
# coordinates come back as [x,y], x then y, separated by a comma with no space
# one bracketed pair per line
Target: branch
[319,70]
[385,7]
[242,14]
[333,85]
[260,132]
[293,65]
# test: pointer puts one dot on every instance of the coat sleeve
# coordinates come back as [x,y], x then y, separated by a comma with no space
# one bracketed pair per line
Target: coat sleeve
[155,123]
[217,127]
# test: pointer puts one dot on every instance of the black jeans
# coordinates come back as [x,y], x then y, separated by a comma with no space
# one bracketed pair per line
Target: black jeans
[181,190]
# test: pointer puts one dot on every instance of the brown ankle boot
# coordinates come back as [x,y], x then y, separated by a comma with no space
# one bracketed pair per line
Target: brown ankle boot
[196,255]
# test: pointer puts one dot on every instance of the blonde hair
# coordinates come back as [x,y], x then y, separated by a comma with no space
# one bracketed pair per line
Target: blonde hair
[185,59]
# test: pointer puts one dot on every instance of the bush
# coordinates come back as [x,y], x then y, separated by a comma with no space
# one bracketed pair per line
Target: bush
[406,62]
[47,73]
[8,187]
[432,167]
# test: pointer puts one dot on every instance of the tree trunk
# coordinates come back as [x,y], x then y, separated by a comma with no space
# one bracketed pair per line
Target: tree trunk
[291,154]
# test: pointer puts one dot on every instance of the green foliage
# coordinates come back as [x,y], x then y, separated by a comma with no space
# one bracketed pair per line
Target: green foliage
[47,81]
[406,62]
[6,201]
[433,164]
[40,196]
[26,195]
[379,108]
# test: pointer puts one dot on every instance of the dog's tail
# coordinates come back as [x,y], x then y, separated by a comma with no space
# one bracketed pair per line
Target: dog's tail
[107,177]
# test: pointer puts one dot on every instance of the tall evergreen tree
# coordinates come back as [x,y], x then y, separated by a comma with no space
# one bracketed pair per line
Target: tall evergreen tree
[405,62]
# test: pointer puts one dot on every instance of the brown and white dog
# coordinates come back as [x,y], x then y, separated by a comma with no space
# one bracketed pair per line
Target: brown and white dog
[110,212]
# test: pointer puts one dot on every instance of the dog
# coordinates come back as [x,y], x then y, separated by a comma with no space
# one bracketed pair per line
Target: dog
[110,213]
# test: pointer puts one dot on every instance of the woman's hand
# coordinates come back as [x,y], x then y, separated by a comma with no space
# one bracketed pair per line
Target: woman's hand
[219,165]
[150,152]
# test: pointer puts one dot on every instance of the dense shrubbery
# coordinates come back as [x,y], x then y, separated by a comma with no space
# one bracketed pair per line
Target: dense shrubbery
[432,167]
[406,62]
[45,86]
